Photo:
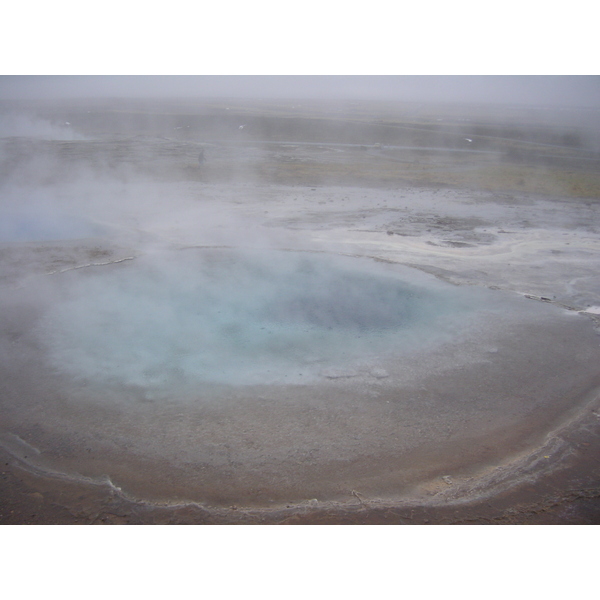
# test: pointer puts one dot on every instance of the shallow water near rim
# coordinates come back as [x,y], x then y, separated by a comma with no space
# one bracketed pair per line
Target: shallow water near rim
[179,319]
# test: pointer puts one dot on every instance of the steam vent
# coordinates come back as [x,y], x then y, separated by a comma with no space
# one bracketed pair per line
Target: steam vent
[328,317]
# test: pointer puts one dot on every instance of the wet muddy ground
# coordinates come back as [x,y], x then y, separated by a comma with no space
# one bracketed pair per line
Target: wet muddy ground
[496,423]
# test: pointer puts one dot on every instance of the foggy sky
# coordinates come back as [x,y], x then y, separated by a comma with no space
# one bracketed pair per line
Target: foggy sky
[582,91]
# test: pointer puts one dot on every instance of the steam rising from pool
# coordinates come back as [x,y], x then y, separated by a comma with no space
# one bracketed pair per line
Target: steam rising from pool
[180,319]
[34,215]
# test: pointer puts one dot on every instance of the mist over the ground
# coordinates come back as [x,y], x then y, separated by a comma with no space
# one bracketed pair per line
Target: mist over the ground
[79,154]
[566,90]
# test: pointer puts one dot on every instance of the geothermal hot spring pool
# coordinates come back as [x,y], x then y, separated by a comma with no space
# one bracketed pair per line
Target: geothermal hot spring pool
[168,324]
[262,377]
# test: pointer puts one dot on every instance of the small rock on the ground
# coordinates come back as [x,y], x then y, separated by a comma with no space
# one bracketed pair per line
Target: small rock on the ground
[379,373]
